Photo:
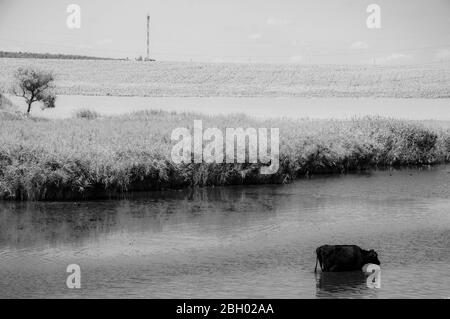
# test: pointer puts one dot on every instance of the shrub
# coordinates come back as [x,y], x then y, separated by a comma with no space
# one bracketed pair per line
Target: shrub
[86,114]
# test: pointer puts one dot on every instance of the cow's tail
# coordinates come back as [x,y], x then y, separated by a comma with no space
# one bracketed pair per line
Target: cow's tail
[318,259]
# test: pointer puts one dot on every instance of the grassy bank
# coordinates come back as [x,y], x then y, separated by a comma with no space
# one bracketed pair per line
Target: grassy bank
[5,104]
[177,79]
[9,111]
[91,157]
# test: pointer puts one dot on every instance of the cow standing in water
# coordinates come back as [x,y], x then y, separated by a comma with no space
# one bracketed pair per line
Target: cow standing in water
[344,257]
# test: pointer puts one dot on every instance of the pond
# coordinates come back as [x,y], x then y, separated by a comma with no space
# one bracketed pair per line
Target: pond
[229,242]
[321,108]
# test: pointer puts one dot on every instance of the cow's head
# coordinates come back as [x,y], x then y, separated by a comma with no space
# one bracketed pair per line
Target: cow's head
[371,257]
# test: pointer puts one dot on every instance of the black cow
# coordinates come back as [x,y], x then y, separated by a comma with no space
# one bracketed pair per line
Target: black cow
[344,257]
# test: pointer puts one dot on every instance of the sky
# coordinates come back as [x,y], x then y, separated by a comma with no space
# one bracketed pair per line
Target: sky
[257,31]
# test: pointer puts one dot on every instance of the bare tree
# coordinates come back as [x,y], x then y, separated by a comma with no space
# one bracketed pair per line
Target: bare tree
[34,86]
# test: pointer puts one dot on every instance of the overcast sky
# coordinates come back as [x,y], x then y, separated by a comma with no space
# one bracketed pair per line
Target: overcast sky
[275,31]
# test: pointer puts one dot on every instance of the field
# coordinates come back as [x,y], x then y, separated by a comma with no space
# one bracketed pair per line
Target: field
[159,79]
[91,157]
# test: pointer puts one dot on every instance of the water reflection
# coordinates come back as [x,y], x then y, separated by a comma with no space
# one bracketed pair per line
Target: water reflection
[34,224]
[344,285]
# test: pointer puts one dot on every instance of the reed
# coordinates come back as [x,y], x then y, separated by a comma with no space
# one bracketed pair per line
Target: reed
[111,156]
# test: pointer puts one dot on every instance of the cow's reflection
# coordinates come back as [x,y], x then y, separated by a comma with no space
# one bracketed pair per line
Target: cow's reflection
[350,284]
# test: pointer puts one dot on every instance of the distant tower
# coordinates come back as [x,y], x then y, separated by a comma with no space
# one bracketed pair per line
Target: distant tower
[148,36]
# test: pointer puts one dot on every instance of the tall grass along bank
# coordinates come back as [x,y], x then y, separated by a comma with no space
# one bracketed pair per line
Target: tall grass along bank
[83,158]
[9,111]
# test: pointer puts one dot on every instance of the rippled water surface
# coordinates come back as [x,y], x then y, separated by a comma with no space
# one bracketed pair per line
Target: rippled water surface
[249,241]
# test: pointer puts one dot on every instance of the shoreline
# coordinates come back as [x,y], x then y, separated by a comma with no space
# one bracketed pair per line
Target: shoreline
[138,190]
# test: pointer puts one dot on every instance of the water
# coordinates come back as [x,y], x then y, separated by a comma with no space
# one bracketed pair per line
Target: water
[252,241]
[321,108]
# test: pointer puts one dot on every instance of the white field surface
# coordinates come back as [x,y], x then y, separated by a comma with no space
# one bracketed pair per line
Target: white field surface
[265,107]
[179,79]
[261,90]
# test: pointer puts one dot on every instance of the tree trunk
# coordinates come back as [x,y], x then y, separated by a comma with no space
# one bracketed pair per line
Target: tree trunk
[29,108]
